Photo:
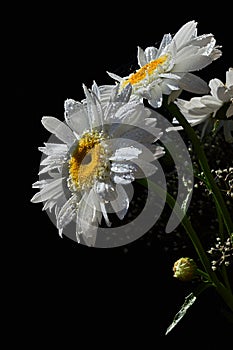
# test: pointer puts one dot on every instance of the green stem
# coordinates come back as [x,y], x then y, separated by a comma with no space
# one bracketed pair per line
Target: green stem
[203,274]
[220,203]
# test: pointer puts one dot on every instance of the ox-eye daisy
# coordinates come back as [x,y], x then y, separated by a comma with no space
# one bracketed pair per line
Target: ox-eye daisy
[166,69]
[215,109]
[96,158]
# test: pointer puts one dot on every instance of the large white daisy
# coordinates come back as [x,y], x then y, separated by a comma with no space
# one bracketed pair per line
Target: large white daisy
[104,146]
[166,70]
[215,109]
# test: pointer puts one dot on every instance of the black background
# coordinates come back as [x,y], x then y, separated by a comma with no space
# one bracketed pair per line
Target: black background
[64,292]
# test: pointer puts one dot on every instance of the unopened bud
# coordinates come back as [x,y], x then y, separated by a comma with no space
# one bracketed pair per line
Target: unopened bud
[185,269]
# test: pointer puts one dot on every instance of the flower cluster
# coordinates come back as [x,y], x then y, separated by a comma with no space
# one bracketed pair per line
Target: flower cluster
[100,149]
[222,253]
[115,136]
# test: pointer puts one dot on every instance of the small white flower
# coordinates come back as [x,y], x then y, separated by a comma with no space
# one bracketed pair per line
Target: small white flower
[212,108]
[166,69]
[98,156]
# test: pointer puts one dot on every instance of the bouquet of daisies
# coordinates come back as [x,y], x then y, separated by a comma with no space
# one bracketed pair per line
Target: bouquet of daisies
[117,135]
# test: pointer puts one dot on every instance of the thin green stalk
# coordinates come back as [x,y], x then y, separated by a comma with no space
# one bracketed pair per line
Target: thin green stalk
[203,274]
[220,203]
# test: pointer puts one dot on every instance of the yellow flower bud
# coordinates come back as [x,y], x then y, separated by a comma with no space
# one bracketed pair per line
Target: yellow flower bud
[185,269]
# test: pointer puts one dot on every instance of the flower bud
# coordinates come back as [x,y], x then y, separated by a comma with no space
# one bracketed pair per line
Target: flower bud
[185,269]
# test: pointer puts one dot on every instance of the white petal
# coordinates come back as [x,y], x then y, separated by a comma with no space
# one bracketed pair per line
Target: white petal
[170,76]
[96,91]
[192,63]
[158,152]
[203,41]
[189,114]
[230,111]
[59,129]
[196,120]
[124,179]
[169,85]
[105,215]
[124,95]
[121,204]
[106,93]
[122,168]
[194,84]
[214,85]
[105,192]
[185,53]
[211,102]
[50,203]
[174,128]
[215,54]
[58,201]
[54,148]
[195,102]
[49,168]
[76,116]
[166,40]
[94,109]
[53,159]
[185,106]
[126,153]
[115,76]
[150,54]
[141,57]
[67,212]
[224,94]
[185,34]
[131,113]
[229,78]
[87,219]
[156,96]
[41,183]
[48,191]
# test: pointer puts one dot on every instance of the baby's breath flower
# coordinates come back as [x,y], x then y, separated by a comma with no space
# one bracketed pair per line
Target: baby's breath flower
[222,253]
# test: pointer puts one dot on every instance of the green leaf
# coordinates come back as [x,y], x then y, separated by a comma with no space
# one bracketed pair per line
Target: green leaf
[189,300]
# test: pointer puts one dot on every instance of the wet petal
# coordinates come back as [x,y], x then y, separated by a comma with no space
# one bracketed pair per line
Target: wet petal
[121,204]
[48,191]
[59,129]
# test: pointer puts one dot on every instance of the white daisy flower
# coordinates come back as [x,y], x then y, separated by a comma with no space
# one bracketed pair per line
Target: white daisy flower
[97,157]
[166,70]
[215,109]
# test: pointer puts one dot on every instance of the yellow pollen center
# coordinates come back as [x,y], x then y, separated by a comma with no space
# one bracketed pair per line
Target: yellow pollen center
[147,69]
[86,162]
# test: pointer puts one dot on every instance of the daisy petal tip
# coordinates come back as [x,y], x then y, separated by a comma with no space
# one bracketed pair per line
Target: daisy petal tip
[44,119]
[60,231]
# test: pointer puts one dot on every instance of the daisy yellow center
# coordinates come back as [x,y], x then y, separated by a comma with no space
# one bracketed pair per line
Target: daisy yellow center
[87,162]
[144,71]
